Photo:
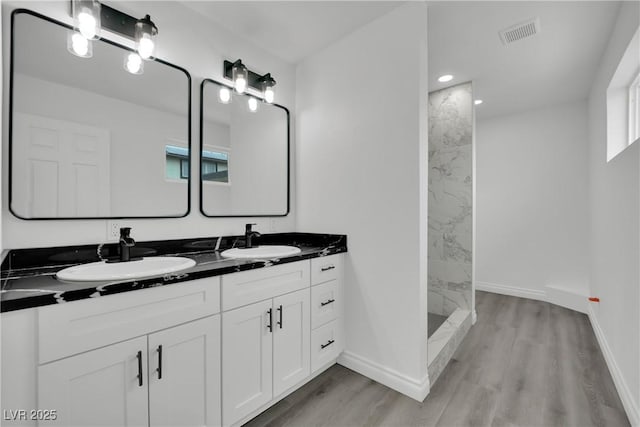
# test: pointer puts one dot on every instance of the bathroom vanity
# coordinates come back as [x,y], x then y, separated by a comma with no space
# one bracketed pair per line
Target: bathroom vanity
[214,344]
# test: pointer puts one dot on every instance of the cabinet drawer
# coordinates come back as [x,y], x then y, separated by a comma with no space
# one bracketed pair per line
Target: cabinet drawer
[326,268]
[326,303]
[326,344]
[84,325]
[251,286]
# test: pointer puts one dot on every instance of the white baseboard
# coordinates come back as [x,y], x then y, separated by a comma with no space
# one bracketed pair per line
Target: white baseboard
[630,406]
[553,294]
[415,389]
[511,291]
[567,299]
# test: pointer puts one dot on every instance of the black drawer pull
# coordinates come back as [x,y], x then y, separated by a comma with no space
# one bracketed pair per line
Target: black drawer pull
[327,302]
[330,267]
[280,311]
[139,356]
[270,325]
[160,362]
[323,346]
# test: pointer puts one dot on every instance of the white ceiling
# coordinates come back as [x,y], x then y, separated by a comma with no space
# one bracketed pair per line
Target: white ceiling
[292,30]
[556,66]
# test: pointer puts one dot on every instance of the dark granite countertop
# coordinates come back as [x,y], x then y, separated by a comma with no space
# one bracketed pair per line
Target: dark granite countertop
[28,275]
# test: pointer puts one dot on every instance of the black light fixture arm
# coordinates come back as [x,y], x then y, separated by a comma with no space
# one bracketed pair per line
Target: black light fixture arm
[118,22]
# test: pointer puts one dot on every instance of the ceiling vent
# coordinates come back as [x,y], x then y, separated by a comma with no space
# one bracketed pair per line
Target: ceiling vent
[520,31]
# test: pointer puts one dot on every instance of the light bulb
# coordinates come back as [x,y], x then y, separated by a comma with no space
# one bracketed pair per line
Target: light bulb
[253,104]
[224,95]
[445,78]
[240,84]
[86,18]
[87,25]
[146,47]
[78,45]
[269,95]
[133,63]
[145,32]
[239,75]
[477,102]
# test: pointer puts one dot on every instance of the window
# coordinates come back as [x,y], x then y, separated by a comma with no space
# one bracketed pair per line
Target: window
[215,166]
[634,110]
[177,162]
[623,101]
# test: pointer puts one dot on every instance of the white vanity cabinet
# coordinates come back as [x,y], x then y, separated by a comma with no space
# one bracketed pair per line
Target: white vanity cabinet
[100,386]
[206,352]
[167,378]
[144,358]
[265,344]
[184,375]
[326,310]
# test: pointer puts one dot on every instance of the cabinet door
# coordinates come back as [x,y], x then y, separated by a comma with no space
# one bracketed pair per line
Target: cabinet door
[292,328]
[98,388]
[246,360]
[184,374]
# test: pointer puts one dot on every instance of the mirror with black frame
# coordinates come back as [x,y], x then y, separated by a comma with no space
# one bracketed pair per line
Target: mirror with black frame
[244,159]
[88,138]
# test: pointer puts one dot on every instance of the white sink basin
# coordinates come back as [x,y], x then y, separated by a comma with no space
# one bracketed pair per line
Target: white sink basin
[267,251]
[146,267]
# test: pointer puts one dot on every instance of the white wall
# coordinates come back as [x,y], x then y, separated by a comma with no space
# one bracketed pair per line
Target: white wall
[138,137]
[362,171]
[532,200]
[614,229]
[185,39]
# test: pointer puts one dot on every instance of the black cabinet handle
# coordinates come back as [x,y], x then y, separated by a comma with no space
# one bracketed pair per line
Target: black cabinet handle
[323,346]
[327,302]
[139,356]
[330,267]
[280,322]
[270,325]
[160,362]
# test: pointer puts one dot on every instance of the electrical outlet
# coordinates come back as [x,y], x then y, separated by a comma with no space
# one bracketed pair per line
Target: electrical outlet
[113,231]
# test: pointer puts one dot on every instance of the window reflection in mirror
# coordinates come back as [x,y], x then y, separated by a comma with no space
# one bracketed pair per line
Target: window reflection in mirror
[215,166]
[244,157]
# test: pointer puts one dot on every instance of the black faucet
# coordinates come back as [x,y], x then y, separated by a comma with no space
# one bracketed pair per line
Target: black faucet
[126,243]
[249,235]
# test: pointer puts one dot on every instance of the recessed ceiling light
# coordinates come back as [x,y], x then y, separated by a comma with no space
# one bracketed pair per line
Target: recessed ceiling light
[477,101]
[445,78]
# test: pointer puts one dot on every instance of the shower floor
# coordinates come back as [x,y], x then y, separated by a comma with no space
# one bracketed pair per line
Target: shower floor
[434,322]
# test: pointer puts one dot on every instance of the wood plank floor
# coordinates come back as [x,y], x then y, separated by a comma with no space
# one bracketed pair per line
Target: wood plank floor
[524,363]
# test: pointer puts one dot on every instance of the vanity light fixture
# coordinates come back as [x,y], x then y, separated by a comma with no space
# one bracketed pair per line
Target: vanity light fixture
[90,16]
[244,78]
[477,102]
[224,95]
[78,45]
[240,76]
[253,104]
[445,78]
[133,63]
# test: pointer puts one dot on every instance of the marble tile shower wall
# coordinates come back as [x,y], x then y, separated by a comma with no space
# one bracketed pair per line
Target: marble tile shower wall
[450,199]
